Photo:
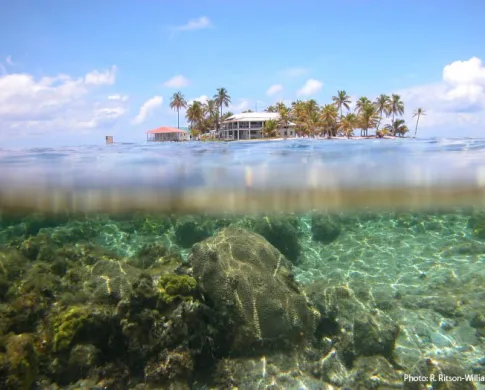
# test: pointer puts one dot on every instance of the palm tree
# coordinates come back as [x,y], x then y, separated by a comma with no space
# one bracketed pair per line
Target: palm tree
[382,104]
[210,109]
[396,106]
[312,123]
[417,113]
[195,115]
[177,103]
[270,109]
[298,113]
[280,106]
[368,117]
[361,103]
[284,116]
[270,128]
[226,115]
[341,100]
[311,106]
[398,127]
[222,98]
[329,115]
[348,123]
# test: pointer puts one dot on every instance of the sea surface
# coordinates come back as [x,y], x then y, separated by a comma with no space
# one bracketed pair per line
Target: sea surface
[295,264]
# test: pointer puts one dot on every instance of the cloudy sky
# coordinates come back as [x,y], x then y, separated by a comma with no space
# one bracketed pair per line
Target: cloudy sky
[74,71]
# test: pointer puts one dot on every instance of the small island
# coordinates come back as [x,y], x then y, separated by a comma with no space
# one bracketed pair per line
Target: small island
[302,118]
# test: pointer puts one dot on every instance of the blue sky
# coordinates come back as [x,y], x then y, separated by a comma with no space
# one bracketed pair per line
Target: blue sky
[74,71]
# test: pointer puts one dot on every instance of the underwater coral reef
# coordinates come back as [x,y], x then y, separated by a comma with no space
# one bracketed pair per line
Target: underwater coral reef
[315,301]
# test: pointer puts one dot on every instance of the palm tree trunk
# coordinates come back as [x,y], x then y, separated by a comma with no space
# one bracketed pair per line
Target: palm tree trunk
[393,128]
[379,123]
[416,130]
[178,118]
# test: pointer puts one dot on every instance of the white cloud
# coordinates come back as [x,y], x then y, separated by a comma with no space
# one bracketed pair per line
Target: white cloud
[469,72]
[103,115]
[294,72]
[274,89]
[121,98]
[147,109]
[107,77]
[195,24]
[51,104]
[201,98]
[241,105]
[311,87]
[456,104]
[9,61]
[178,81]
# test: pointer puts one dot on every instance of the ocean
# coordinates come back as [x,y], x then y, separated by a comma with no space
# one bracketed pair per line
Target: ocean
[293,264]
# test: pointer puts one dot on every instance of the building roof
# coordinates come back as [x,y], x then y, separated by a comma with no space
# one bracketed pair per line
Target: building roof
[165,130]
[253,117]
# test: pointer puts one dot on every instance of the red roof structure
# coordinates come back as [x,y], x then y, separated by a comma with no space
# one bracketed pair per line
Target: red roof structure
[165,130]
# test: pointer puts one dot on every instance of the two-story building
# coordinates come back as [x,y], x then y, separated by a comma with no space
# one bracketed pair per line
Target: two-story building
[250,125]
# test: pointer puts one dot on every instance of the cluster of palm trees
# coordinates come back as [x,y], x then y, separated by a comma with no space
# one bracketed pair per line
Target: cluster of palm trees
[202,116]
[310,118]
[329,120]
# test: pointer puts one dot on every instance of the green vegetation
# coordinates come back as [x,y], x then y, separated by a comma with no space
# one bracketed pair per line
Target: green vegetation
[270,128]
[206,116]
[67,326]
[174,287]
[311,119]
[417,114]
[177,103]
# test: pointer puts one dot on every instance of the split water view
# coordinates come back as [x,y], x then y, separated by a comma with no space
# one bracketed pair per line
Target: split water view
[242,196]
[244,265]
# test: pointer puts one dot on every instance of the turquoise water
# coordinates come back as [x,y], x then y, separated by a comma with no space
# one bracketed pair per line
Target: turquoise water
[285,265]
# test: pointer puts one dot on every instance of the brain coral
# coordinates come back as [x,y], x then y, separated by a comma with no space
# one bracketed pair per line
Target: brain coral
[250,281]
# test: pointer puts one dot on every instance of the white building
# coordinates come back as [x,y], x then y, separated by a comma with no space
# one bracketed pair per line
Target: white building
[249,125]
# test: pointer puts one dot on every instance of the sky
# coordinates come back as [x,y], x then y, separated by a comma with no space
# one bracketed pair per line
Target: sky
[72,72]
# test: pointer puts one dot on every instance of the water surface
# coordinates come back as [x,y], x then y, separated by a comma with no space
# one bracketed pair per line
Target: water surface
[332,264]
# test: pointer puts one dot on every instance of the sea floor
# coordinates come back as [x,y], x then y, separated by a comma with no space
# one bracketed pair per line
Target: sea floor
[398,293]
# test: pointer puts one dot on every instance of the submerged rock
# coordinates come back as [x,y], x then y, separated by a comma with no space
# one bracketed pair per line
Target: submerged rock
[283,233]
[325,228]
[355,329]
[19,363]
[374,372]
[190,229]
[110,280]
[477,223]
[157,256]
[250,282]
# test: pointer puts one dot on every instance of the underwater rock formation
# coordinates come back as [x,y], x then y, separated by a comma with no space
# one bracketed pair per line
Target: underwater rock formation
[156,258]
[110,280]
[283,233]
[250,281]
[325,228]
[477,223]
[356,330]
[190,229]
[19,363]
